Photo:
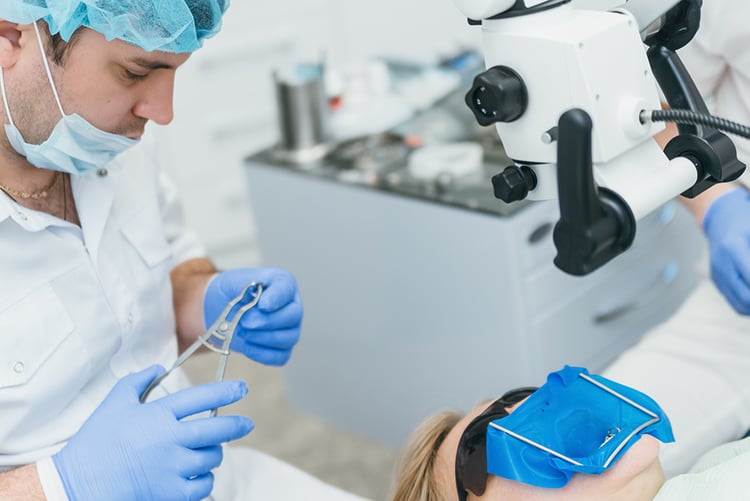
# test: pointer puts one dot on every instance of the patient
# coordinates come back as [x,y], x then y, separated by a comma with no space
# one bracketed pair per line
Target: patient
[523,446]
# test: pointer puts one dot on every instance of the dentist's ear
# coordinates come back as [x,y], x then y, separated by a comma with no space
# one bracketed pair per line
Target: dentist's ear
[10,35]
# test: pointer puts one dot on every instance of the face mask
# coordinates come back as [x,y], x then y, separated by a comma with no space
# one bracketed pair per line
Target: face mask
[75,146]
[576,422]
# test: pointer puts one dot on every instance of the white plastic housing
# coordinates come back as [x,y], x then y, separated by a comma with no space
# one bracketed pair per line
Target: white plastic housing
[570,58]
[643,177]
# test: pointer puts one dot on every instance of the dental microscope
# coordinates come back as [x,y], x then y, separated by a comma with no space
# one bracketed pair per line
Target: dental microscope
[573,90]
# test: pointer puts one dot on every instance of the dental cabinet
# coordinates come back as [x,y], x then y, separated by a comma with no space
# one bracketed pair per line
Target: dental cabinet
[423,295]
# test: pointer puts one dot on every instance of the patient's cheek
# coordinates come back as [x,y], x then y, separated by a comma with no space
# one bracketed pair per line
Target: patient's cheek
[637,460]
[639,457]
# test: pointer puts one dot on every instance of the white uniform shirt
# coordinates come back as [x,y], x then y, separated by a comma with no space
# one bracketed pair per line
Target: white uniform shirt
[720,475]
[82,307]
[718,59]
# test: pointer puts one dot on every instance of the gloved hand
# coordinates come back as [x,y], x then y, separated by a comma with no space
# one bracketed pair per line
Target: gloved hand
[727,226]
[268,332]
[127,450]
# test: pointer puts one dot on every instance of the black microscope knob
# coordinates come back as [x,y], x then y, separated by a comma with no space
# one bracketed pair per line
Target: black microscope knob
[514,183]
[497,95]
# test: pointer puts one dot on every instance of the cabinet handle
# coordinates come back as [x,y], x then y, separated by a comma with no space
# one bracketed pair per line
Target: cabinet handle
[540,233]
[647,295]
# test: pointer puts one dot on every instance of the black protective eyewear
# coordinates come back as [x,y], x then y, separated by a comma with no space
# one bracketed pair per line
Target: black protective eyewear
[471,455]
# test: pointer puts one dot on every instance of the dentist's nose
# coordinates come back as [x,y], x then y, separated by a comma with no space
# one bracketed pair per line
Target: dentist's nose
[157,101]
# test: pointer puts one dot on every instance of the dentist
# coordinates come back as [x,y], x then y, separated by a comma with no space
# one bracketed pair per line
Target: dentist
[101,283]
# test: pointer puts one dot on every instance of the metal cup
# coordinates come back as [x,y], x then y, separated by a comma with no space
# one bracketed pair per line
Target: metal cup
[303,113]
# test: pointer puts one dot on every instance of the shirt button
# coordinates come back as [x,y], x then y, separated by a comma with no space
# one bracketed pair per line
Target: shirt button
[131,318]
[23,216]
[19,367]
[102,172]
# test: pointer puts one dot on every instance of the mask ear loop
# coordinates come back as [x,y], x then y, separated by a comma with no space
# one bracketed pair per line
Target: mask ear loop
[46,67]
[5,98]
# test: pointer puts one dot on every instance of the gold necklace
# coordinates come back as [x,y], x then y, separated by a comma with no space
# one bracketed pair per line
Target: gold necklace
[36,195]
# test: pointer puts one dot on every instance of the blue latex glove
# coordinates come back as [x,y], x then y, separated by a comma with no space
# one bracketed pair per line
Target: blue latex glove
[127,450]
[268,332]
[727,226]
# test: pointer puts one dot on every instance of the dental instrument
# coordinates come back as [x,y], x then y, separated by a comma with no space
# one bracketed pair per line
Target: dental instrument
[217,338]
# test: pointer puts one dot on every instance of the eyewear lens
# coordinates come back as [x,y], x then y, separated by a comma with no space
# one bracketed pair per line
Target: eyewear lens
[471,455]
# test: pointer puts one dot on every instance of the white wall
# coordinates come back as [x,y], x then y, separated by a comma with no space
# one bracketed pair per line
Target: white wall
[225,105]
[420,29]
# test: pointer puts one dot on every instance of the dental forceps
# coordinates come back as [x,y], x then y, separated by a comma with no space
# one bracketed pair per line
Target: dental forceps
[218,337]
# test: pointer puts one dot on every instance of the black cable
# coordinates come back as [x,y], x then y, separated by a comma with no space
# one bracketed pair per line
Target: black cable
[693,118]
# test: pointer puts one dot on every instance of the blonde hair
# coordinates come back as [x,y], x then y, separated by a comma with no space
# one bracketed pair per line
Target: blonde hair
[415,479]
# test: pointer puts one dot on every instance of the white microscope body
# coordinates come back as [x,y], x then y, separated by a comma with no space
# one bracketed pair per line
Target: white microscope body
[547,57]
[595,61]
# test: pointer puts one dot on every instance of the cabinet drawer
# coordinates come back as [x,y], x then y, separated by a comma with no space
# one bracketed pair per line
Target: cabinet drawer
[537,248]
[533,226]
[665,236]
[593,327]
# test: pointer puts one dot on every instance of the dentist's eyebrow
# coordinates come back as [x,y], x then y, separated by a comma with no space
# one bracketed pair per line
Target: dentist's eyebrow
[151,65]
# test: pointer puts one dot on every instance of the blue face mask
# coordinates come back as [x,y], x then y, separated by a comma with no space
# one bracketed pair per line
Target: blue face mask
[576,422]
[75,146]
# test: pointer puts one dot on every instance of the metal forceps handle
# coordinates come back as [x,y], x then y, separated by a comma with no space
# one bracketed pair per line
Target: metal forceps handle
[217,338]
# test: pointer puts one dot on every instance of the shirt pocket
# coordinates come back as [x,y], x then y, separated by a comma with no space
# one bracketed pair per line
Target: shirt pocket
[31,331]
[145,233]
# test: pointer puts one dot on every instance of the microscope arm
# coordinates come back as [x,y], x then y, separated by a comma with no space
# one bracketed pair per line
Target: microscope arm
[713,153]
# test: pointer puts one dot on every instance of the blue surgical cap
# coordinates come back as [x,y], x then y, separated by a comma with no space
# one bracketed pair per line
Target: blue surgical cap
[164,25]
